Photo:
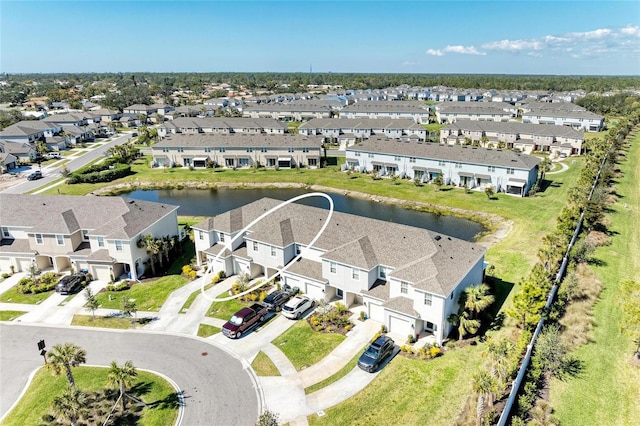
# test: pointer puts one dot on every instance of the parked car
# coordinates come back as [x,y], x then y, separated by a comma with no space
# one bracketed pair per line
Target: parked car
[276,299]
[52,155]
[70,283]
[297,306]
[376,353]
[242,320]
[35,175]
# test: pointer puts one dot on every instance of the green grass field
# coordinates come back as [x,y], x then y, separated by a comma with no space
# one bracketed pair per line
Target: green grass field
[304,347]
[10,315]
[12,296]
[263,366]
[224,310]
[149,296]
[607,388]
[410,392]
[206,330]
[101,322]
[45,387]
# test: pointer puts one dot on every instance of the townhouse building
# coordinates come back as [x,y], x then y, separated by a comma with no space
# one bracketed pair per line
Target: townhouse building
[222,125]
[416,111]
[346,131]
[465,166]
[30,131]
[97,234]
[405,277]
[450,112]
[301,110]
[239,150]
[525,137]
[579,120]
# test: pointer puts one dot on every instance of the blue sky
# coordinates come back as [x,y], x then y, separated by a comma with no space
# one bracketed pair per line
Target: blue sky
[501,37]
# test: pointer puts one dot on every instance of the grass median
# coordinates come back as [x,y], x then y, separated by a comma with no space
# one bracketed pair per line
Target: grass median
[305,347]
[149,296]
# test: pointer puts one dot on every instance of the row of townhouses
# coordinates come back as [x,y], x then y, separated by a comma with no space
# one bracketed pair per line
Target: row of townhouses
[416,111]
[405,277]
[222,125]
[468,166]
[96,234]
[525,137]
[346,131]
[237,150]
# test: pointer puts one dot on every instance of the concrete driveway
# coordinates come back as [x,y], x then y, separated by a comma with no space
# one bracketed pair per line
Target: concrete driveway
[218,388]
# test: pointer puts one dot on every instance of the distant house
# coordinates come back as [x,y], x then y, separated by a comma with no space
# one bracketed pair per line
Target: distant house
[407,278]
[30,131]
[238,150]
[472,167]
[450,112]
[8,161]
[525,137]
[579,120]
[99,234]
[416,111]
[22,151]
[291,111]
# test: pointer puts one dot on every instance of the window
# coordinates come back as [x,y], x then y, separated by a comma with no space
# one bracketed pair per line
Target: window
[165,149]
[85,235]
[180,149]
[491,169]
[273,251]
[221,237]
[510,171]
[404,287]
[39,239]
[207,149]
[357,154]
[428,299]
[221,149]
[249,149]
[442,163]
[355,274]
[412,159]
[332,267]
[255,246]
[5,232]
[396,158]
[305,149]
[297,249]
[200,235]
[60,239]
[263,149]
[383,272]
[290,149]
[312,162]
[100,241]
[457,165]
[118,245]
[370,155]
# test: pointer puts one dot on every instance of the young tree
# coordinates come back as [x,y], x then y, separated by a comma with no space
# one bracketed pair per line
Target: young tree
[486,387]
[268,418]
[438,181]
[464,323]
[92,303]
[69,405]
[63,357]
[489,191]
[551,351]
[122,377]
[129,308]
[477,299]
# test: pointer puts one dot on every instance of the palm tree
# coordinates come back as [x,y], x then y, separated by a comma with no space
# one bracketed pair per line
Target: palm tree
[498,354]
[123,378]
[477,298]
[465,324]
[486,386]
[65,356]
[69,405]
[150,243]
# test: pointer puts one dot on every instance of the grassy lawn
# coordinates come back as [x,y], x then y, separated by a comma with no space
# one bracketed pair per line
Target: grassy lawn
[45,387]
[304,347]
[101,322]
[224,310]
[12,296]
[10,315]
[263,366]
[334,378]
[149,296]
[606,391]
[188,253]
[206,330]
[411,392]
[192,297]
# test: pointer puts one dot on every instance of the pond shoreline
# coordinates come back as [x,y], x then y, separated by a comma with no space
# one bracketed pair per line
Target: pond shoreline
[496,227]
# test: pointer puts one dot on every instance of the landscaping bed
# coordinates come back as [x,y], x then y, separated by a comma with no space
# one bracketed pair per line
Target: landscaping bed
[331,319]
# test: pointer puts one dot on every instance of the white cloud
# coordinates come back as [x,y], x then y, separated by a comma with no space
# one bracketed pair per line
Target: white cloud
[463,50]
[408,63]
[596,43]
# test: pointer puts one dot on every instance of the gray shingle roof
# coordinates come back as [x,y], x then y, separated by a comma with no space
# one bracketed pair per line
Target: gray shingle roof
[240,140]
[401,304]
[361,123]
[435,151]
[388,106]
[514,127]
[225,123]
[111,217]
[307,268]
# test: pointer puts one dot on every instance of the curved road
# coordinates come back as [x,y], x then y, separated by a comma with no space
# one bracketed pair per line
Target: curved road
[217,388]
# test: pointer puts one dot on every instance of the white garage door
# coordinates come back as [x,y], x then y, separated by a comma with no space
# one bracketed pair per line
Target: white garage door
[23,264]
[376,312]
[102,273]
[293,283]
[314,291]
[399,326]
[5,264]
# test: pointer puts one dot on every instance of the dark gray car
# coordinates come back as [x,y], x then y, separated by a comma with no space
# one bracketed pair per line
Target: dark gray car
[70,283]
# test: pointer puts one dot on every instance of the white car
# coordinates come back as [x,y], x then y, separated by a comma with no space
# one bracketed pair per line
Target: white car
[297,306]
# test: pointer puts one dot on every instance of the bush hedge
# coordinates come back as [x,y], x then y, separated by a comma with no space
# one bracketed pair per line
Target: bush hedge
[104,172]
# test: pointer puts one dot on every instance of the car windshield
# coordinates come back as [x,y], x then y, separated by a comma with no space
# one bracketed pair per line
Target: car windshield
[235,320]
[270,298]
[371,352]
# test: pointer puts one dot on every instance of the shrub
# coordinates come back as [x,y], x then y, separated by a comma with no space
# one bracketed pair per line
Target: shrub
[348,327]
[216,278]
[186,269]
[193,275]
[363,316]
[340,308]
[383,329]
[110,287]
[375,336]
[5,275]
[411,338]
[263,295]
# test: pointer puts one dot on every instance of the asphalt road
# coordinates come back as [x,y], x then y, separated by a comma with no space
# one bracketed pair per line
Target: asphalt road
[51,174]
[217,389]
